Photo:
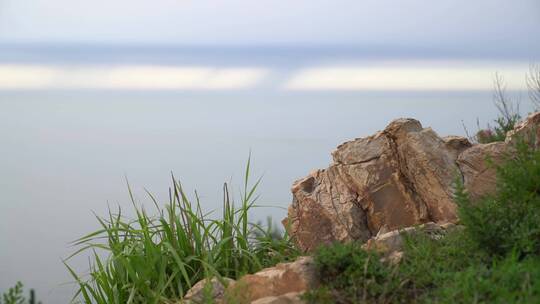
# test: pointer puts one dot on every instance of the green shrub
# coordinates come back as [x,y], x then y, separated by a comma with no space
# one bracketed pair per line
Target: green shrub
[509,220]
[155,259]
[448,270]
[428,263]
[350,274]
[507,280]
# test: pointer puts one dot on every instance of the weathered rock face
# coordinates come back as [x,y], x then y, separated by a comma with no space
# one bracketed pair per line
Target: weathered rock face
[279,284]
[327,210]
[399,177]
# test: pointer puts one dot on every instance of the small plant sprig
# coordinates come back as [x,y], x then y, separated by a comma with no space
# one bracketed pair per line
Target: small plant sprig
[509,114]
[14,295]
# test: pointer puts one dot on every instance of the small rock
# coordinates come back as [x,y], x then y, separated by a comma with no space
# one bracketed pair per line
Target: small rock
[394,258]
[391,243]
[216,289]
[288,298]
[276,281]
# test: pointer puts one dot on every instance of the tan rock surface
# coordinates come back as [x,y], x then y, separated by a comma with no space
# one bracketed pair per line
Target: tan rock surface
[325,211]
[528,130]
[429,164]
[479,178]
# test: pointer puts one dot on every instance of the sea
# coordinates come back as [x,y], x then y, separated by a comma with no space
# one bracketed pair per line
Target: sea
[80,123]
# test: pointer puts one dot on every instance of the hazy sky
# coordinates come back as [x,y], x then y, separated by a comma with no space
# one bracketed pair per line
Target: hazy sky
[479,25]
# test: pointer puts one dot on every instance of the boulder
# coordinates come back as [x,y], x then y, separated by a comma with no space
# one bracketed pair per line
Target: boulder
[277,281]
[399,177]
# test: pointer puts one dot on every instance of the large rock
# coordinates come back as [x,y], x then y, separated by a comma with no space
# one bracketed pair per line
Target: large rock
[399,177]
[274,282]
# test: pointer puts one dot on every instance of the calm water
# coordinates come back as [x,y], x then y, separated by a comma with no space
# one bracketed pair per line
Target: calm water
[65,153]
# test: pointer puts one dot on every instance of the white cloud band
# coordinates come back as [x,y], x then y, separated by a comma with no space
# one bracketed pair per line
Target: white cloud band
[389,76]
[129,77]
[404,78]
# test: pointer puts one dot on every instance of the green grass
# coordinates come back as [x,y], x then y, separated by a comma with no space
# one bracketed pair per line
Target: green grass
[157,258]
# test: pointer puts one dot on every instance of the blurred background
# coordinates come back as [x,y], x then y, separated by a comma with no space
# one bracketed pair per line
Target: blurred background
[92,92]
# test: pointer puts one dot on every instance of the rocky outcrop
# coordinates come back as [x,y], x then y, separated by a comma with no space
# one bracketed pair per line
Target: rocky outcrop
[399,177]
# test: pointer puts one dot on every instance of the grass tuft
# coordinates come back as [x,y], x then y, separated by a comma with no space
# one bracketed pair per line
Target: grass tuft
[157,258]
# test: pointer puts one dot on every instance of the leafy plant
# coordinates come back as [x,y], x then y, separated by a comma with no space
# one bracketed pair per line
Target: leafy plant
[156,259]
[14,295]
